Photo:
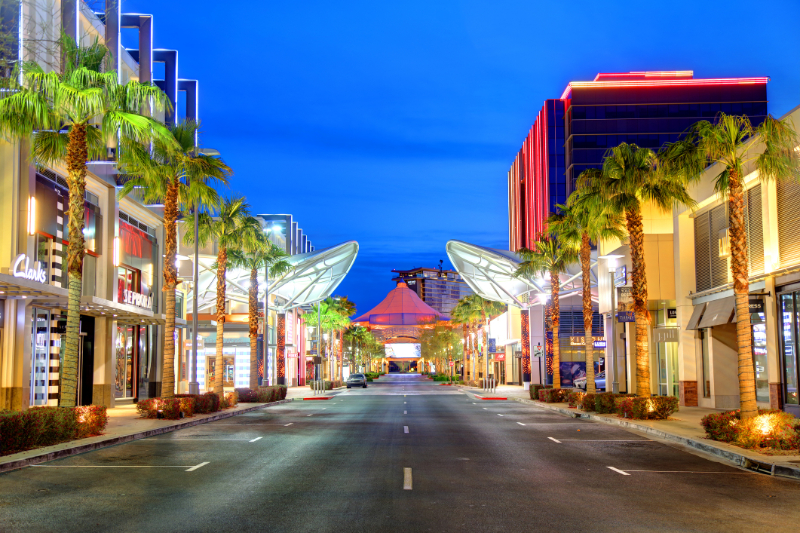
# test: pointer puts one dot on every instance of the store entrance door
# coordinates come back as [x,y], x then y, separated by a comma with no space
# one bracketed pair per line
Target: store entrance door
[668,384]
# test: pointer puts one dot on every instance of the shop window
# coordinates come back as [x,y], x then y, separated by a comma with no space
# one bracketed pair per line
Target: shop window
[759,343]
[138,254]
[789,319]
[43,246]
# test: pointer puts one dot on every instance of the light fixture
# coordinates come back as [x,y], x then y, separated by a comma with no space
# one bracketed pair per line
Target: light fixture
[31,215]
[611,261]
[116,251]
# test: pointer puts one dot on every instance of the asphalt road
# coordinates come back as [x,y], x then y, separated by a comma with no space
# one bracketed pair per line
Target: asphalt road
[341,465]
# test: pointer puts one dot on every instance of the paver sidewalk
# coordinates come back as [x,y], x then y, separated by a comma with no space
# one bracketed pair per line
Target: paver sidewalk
[124,425]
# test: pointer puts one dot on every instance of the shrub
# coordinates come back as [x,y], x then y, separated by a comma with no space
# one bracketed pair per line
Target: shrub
[534,390]
[575,398]
[282,390]
[247,395]
[553,395]
[203,403]
[588,402]
[187,406]
[92,420]
[771,429]
[170,408]
[606,402]
[45,426]
[147,408]
[56,425]
[232,398]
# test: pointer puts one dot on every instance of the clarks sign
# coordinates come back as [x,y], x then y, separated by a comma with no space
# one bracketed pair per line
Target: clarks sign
[139,300]
[22,270]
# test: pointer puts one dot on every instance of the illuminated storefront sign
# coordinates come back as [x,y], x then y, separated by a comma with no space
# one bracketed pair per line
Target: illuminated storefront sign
[26,272]
[137,299]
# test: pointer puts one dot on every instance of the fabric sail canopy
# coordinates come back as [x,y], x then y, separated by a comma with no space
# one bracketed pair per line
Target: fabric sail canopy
[401,307]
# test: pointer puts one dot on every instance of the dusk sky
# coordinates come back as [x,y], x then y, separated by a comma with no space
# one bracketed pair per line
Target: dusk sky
[394,123]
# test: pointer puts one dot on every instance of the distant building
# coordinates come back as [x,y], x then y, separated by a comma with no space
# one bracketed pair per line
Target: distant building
[440,289]
[284,232]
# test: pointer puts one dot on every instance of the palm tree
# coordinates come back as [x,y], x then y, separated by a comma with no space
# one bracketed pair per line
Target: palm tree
[259,253]
[330,319]
[468,314]
[486,310]
[71,116]
[176,174]
[632,176]
[579,224]
[550,256]
[729,141]
[231,227]
[346,309]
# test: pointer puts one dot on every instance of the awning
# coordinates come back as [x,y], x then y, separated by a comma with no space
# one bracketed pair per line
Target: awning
[697,314]
[718,312]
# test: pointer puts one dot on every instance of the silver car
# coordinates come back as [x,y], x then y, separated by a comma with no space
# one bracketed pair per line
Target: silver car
[357,380]
[599,381]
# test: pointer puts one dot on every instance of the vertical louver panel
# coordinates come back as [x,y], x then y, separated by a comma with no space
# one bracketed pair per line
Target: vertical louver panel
[755,230]
[701,252]
[788,222]
[719,265]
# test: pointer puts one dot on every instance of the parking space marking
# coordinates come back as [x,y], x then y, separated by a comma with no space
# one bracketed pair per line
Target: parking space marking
[618,471]
[558,441]
[608,440]
[685,472]
[498,414]
[255,439]
[407,480]
[195,467]
[405,429]
[289,424]
[520,423]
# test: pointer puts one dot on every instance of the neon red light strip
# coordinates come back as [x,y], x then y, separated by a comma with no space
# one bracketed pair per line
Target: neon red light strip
[661,83]
[646,74]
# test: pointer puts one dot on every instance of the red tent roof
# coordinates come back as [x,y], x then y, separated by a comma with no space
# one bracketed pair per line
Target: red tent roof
[401,307]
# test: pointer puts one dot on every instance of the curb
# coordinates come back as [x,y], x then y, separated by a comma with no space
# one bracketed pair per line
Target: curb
[83,448]
[738,459]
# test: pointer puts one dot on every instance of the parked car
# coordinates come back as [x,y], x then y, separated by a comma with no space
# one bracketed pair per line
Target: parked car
[599,381]
[357,380]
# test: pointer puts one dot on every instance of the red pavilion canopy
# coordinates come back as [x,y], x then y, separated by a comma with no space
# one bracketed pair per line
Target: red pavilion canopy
[401,307]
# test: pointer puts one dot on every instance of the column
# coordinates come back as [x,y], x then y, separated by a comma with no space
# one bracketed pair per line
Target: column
[685,283]
[281,354]
[525,319]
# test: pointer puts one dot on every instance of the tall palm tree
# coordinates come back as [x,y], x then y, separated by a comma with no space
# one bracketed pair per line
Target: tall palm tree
[579,224]
[486,310]
[729,141]
[231,227]
[467,312]
[346,308]
[330,319]
[550,256]
[632,176]
[258,253]
[181,177]
[70,116]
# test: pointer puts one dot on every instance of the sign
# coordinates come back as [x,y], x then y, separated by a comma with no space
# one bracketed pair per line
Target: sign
[600,344]
[500,357]
[625,305]
[538,351]
[492,345]
[579,341]
[757,305]
[22,269]
[621,276]
[452,363]
[136,299]
[672,313]
[666,334]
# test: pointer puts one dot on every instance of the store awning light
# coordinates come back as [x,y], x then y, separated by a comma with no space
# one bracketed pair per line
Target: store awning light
[31,215]
[116,251]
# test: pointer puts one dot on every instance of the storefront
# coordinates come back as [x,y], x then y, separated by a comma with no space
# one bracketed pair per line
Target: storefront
[789,308]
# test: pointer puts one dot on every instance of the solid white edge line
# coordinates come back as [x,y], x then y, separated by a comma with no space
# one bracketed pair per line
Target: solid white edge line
[405,429]
[255,439]
[407,480]
[520,423]
[618,471]
[195,467]
[558,441]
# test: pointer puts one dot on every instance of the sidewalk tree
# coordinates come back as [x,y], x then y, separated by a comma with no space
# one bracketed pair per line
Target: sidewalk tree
[71,116]
[229,227]
[737,145]
[257,253]
[330,319]
[179,176]
[467,312]
[486,310]
[632,177]
[346,309]
[580,224]
[550,256]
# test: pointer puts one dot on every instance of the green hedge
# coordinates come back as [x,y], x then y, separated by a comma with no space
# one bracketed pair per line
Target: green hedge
[550,395]
[655,408]
[535,388]
[45,426]
[606,402]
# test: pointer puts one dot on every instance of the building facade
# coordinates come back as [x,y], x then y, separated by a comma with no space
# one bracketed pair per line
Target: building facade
[440,289]
[120,352]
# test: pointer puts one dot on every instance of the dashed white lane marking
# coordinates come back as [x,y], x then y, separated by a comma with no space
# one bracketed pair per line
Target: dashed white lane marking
[310,415]
[255,439]
[405,412]
[407,481]
[520,423]
[485,408]
[498,414]
[405,429]
[404,403]
[618,471]
[195,467]
[289,424]
[558,441]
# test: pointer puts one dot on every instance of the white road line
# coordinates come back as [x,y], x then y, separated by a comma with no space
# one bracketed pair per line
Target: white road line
[520,423]
[686,472]
[405,429]
[610,440]
[109,466]
[405,412]
[195,467]
[618,471]
[289,424]
[485,408]
[558,441]
[404,403]
[407,481]
[498,414]
[255,439]
[310,415]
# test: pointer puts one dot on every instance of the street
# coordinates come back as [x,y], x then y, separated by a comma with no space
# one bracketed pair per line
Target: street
[343,465]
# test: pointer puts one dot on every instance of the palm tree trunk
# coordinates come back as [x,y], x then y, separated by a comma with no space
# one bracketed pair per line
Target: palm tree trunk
[222,263]
[253,309]
[466,347]
[77,154]
[633,219]
[588,340]
[555,288]
[741,288]
[170,285]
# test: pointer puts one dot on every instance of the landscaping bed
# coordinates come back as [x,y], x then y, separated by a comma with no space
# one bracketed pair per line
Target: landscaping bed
[770,432]
[45,426]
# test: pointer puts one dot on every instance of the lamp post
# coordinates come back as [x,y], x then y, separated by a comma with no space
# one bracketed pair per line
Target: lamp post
[543,359]
[611,364]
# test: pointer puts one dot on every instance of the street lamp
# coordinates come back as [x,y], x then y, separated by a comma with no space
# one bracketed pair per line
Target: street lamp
[611,364]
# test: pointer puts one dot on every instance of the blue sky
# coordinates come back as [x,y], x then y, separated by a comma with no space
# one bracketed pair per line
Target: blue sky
[394,124]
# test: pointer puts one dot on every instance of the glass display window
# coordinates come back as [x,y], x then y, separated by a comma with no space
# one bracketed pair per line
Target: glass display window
[790,316]
[40,356]
[139,253]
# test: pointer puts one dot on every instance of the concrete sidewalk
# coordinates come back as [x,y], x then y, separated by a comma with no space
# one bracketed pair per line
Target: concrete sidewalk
[124,425]
[683,428]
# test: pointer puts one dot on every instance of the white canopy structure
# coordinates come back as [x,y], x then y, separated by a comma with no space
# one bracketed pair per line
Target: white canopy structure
[314,275]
